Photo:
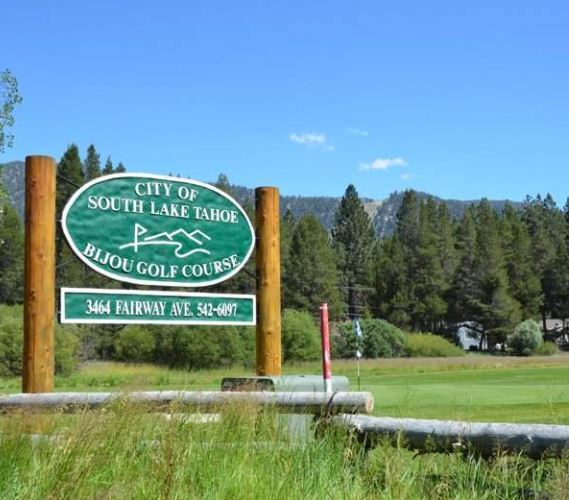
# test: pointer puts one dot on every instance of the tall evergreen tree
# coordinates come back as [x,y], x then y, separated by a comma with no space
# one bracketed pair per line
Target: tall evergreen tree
[429,286]
[524,283]
[422,235]
[311,274]
[392,298]
[222,183]
[562,266]
[108,168]
[70,271]
[446,242]
[408,235]
[353,238]
[566,217]
[463,292]
[407,220]
[121,168]
[547,231]
[494,308]
[92,164]
[70,176]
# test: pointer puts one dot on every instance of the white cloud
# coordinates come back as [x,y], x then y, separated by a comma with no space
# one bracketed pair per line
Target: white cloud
[358,131]
[308,138]
[383,164]
[406,177]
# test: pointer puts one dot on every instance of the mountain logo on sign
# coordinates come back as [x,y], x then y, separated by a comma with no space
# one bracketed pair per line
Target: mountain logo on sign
[186,243]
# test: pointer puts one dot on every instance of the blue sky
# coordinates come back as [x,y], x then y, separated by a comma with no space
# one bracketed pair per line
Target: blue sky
[460,99]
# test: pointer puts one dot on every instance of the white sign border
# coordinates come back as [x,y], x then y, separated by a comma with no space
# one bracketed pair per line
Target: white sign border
[137,281]
[63,319]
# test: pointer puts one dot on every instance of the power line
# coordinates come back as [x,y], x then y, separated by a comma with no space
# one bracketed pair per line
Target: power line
[69,181]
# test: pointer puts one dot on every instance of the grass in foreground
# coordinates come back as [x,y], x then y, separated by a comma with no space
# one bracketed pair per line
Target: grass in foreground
[122,452]
[125,453]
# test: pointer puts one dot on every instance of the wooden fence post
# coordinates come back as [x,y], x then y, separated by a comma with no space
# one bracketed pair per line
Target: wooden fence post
[39,285]
[268,263]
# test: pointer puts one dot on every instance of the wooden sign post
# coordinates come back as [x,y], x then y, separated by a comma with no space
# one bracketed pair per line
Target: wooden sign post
[39,286]
[268,281]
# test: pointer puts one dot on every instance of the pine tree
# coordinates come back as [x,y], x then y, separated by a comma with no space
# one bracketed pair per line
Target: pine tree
[463,292]
[562,266]
[524,283]
[353,238]
[121,169]
[311,276]
[494,308]
[70,176]
[422,235]
[92,164]
[429,284]
[391,299]
[108,168]
[222,183]
[547,230]
[566,217]
[407,226]
[446,242]
[408,237]
[70,271]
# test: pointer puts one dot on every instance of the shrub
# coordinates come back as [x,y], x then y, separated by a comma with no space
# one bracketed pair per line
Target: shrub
[11,340]
[380,339]
[196,347]
[300,336]
[430,346]
[547,349]
[135,344]
[525,339]
[12,344]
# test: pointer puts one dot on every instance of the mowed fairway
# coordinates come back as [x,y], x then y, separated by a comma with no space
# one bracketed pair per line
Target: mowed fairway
[474,387]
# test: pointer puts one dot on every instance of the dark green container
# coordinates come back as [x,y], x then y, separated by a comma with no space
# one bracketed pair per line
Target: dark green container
[283,383]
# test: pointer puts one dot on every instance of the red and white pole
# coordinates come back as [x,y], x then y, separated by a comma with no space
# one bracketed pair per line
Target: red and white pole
[326,362]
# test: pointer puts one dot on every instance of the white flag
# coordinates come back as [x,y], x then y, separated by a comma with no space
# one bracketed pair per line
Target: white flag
[358,354]
[357,328]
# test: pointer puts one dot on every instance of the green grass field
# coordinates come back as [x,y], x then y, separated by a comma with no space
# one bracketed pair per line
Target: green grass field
[122,452]
[475,387]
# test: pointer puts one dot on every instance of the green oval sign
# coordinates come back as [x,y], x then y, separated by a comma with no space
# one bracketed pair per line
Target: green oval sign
[157,230]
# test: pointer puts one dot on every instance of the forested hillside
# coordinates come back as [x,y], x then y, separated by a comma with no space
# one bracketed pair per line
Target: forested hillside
[381,212]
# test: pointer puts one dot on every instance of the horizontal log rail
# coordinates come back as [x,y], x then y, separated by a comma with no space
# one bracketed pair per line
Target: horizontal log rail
[484,439]
[316,403]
